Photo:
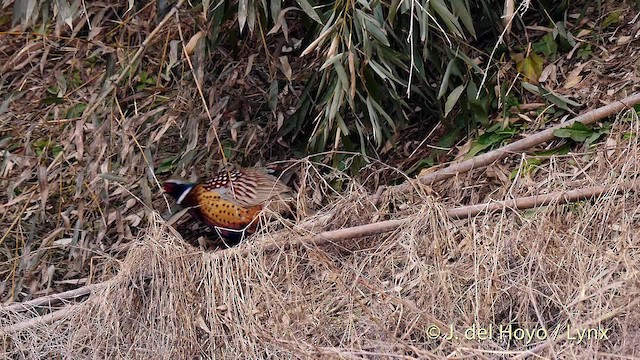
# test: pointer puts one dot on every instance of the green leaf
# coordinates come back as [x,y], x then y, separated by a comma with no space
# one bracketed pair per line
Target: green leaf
[251,15]
[444,85]
[585,52]
[526,167]
[9,98]
[419,165]
[330,61]
[342,125]
[531,67]
[452,99]
[365,4]
[547,46]
[449,19]
[275,7]
[243,9]
[461,8]
[564,36]
[75,111]
[531,164]
[393,10]
[576,132]
[557,99]
[373,27]
[342,75]
[383,113]
[309,10]
[486,141]
[385,74]
[167,165]
[336,102]
[612,19]
[273,95]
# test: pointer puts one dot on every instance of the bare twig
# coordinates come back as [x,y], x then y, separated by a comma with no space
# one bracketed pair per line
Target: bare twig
[517,146]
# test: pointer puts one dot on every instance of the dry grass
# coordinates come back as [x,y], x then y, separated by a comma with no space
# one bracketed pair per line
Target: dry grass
[559,268]
[79,187]
[81,198]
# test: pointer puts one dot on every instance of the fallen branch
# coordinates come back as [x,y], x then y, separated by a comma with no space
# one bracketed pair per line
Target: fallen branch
[49,300]
[559,197]
[39,320]
[515,147]
[528,202]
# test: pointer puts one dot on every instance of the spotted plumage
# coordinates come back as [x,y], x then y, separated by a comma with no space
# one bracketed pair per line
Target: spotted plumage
[230,201]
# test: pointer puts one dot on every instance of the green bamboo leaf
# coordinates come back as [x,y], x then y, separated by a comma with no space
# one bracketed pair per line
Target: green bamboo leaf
[461,8]
[309,10]
[424,23]
[383,113]
[373,118]
[452,99]
[532,88]
[577,132]
[251,15]
[332,110]
[363,143]
[373,27]
[393,10]
[275,9]
[243,8]
[405,7]
[365,4]
[377,33]
[273,95]
[342,125]
[557,99]
[330,61]
[449,19]
[264,7]
[486,141]
[342,75]
[379,68]
[444,85]
[469,61]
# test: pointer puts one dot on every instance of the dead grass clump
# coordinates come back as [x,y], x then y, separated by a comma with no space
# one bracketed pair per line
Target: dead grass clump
[501,284]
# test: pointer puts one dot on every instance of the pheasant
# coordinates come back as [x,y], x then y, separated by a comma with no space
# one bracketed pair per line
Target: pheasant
[231,201]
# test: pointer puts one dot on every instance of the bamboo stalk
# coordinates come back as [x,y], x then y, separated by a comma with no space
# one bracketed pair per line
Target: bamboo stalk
[515,147]
[559,197]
